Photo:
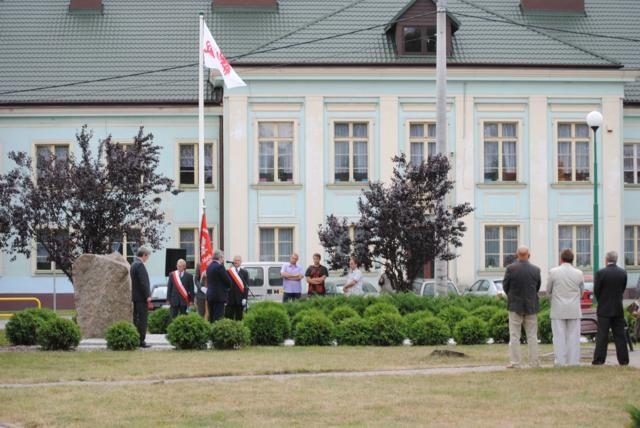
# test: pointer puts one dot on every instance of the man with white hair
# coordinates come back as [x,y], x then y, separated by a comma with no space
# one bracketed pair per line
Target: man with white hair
[218,285]
[521,284]
[180,290]
[609,284]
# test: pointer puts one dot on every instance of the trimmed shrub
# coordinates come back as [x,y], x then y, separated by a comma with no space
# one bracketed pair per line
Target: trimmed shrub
[122,336]
[230,334]
[471,331]
[21,329]
[354,331]
[429,330]
[159,320]
[452,315]
[58,334]
[189,332]
[499,326]
[342,313]
[268,326]
[485,313]
[380,308]
[314,329]
[387,329]
[270,305]
[415,316]
[408,303]
[544,327]
[303,314]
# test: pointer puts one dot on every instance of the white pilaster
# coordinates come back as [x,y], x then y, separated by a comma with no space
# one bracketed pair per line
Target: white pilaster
[612,189]
[237,178]
[538,179]
[314,174]
[388,134]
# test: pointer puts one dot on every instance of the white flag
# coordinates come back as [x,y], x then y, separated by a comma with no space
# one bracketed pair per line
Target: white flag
[213,58]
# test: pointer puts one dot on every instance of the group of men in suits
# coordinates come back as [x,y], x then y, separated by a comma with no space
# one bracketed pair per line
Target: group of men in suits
[227,289]
[521,284]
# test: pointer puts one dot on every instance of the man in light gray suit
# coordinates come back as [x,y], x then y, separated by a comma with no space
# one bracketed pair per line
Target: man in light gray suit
[565,287]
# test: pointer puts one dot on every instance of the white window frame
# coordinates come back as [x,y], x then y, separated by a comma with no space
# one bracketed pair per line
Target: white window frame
[51,144]
[256,149]
[370,151]
[573,141]
[34,261]
[276,238]
[426,140]
[499,139]
[483,265]
[636,155]
[573,244]
[636,247]
[214,163]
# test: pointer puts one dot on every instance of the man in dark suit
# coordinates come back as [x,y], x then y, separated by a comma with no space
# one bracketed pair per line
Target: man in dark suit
[239,292]
[218,285]
[521,284]
[140,293]
[608,288]
[175,299]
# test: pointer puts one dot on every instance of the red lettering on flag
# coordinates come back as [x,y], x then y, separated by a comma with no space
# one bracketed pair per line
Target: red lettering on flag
[209,49]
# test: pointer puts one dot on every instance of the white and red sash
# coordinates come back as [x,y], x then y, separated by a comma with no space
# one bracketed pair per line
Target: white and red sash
[178,284]
[236,278]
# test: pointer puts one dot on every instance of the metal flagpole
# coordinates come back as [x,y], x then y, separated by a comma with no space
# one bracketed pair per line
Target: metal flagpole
[440,271]
[201,160]
[55,293]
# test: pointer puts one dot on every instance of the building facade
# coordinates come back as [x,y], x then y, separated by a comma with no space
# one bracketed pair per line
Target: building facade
[323,115]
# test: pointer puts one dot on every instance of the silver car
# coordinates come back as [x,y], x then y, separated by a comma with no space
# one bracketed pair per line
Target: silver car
[334,286]
[427,287]
[486,287]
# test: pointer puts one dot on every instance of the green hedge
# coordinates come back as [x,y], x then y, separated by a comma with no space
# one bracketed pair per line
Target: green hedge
[230,334]
[429,330]
[387,329]
[314,329]
[122,336]
[544,327]
[471,331]
[189,332]
[499,326]
[295,320]
[22,327]
[342,313]
[485,312]
[159,320]
[380,308]
[58,334]
[268,326]
[452,315]
[353,332]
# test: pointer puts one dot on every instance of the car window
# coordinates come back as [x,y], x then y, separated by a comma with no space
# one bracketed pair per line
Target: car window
[159,293]
[498,284]
[368,288]
[484,286]
[256,276]
[428,289]
[275,280]
[475,286]
[452,288]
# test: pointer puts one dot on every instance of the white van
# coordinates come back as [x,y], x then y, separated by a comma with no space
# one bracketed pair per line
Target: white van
[265,282]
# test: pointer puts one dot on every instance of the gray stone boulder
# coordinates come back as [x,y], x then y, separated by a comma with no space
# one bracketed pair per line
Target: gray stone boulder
[102,292]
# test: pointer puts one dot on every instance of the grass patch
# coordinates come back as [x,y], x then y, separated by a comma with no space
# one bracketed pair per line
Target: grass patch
[523,398]
[39,366]
[3,338]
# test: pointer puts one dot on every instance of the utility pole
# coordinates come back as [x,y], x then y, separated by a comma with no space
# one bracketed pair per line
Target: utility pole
[440,271]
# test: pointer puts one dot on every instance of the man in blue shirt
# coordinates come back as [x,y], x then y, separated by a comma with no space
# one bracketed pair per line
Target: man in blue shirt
[292,275]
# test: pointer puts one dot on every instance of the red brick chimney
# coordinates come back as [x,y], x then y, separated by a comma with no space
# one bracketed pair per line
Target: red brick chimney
[246,3]
[85,4]
[576,6]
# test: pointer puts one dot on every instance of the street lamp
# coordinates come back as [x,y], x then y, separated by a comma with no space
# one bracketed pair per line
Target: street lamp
[594,120]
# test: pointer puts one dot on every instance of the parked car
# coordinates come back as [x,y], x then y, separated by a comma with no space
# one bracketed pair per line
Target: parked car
[335,285]
[487,287]
[159,296]
[427,287]
[265,282]
[586,301]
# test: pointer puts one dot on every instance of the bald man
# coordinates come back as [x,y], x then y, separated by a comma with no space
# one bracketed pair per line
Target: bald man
[521,284]
[180,289]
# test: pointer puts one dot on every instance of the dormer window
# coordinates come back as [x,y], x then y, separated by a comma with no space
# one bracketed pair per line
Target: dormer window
[419,40]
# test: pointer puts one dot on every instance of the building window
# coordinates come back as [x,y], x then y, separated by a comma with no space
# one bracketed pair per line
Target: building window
[500,151]
[48,152]
[276,244]
[422,142]
[58,238]
[419,40]
[189,164]
[631,244]
[500,246]
[127,245]
[632,163]
[351,151]
[573,152]
[275,152]
[190,241]
[577,238]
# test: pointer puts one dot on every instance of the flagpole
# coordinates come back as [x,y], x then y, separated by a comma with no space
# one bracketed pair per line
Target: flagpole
[201,160]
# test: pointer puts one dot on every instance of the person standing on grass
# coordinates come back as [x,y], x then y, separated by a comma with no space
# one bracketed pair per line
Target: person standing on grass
[218,285]
[608,288]
[353,287]
[565,287]
[292,275]
[179,290]
[239,291]
[141,293]
[316,275]
[521,285]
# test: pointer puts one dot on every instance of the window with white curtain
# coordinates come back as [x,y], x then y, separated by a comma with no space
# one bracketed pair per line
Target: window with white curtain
[188,170]
[275,152]
[276,244]
[351,151]
[500,151]
[422,141]
[578,239]
[500,245]
[632,163]
[631,246]
[573,152]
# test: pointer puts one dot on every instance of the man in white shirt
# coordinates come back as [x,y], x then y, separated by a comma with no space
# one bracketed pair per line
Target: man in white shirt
[353,286]
[565,287]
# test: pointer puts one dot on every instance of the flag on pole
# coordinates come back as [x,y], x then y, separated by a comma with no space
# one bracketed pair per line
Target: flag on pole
[206,249]
[213,58]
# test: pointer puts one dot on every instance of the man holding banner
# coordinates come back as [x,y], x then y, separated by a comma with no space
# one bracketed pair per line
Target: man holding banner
[238,292]
[180,290]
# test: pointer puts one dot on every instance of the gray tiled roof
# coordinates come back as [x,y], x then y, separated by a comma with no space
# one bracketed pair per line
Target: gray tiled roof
[44,44]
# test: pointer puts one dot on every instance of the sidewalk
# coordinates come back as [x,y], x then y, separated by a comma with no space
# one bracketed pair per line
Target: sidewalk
[158,342]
